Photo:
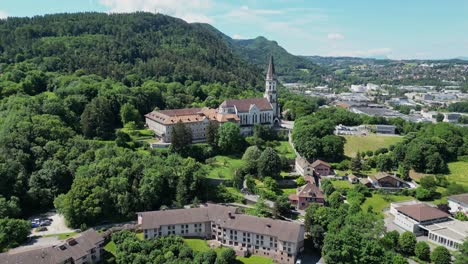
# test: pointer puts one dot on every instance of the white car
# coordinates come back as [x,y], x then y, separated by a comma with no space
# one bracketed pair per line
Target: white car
[298,261]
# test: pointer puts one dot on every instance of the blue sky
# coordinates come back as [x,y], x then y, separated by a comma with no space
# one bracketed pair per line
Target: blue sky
[395,28]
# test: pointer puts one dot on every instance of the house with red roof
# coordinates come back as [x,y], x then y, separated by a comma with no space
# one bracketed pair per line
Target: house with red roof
[309,193]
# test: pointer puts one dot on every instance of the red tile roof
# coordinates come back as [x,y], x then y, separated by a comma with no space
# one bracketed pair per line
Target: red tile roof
[320,162]
[243,105]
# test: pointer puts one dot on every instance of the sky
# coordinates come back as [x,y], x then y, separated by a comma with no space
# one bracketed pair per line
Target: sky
[397,29]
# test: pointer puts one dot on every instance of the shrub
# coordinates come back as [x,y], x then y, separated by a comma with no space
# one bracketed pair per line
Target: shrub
[422,251]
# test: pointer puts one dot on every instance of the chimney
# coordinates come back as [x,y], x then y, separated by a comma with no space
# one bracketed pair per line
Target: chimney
[71,241]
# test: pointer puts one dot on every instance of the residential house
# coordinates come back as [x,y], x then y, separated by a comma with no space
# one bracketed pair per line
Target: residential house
[352,178]
[309,193]
[322,168]
[303,167]
[279,240]
[84,248]
[458,203]
[385,180]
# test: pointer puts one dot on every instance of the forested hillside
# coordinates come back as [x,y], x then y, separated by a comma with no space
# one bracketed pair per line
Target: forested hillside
[290,68]
[126,47]
[70,82]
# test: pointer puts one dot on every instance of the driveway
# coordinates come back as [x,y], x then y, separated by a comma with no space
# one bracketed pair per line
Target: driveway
[388,222]
[57,226]
[35,243]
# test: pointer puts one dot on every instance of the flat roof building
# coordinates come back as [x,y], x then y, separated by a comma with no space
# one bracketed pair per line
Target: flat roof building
[450,234]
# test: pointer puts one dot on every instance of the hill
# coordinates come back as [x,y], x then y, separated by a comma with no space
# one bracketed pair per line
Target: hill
[123,46]
[290,68]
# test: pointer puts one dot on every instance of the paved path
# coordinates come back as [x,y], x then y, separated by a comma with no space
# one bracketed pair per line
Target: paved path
[35,243]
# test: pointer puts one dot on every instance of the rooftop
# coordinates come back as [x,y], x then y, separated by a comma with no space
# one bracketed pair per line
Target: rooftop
[243,105]
[225,216]
[422,212]
[460,198]
[455,230]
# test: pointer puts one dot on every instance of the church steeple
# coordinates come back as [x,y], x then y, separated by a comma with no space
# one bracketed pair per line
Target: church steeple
[270,90]
[271,70]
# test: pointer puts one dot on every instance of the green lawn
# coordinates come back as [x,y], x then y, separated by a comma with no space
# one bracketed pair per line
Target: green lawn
[111,248]
[224,167]
[342,184]
[380,202]
[458,172]
[201,245]
[197,244]
[138,134]
[370,142]
[288,190]
[285,149]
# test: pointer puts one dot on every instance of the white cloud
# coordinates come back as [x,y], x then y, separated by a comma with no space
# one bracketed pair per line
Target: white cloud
[190,11]
[335,36]
[3,14]
[362,53]
[237,36]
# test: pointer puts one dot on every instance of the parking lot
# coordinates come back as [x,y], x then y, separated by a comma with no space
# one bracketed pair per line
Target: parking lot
[57,225]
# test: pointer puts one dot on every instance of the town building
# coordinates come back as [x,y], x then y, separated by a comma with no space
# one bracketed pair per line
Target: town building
[84,248]
[450,234]
[385,129]
[386,181]
[352,178]
[279,240]
[458,203]
[411,216]
[245,112]
[315,169]
[309,193]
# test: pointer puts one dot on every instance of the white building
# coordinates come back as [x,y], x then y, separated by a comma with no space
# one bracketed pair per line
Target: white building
[244,112]
[412,216]
[280,240]
[450,234]
[458,203]
[358,88]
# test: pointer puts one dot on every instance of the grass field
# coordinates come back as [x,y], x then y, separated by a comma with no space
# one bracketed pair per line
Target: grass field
[285,149]
[342,184]
[201,245]
[380,202]
[288,190]
[111,248]
[224,167]
[62,236]
[370,142]
[458,172]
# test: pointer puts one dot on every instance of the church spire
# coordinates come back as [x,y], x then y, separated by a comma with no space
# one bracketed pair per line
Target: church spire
[271,70]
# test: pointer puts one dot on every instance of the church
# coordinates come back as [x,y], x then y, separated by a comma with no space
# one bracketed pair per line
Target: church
[244,112]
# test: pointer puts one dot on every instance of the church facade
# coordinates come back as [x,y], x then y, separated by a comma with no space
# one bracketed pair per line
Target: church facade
[246,113]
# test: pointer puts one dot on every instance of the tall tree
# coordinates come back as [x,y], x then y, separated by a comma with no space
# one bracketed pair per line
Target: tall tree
[230,140]
[441,255]
[128,113]
[269,164]
[98,119]
[212,133]
[407,243]
[181,137]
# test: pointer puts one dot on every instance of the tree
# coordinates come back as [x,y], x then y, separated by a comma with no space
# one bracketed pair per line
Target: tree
[211,133]
[334,199]
[230,140]
[317,235]
[441,255]
[261,209]
[356,163]
[181,137]
[281,206]
[128,113]
[269,163]
[461,216]
[227,256]
[422,251]
[462,256]
[327,187]
[13,232]
[439,117]
[390,240]
[407,243]
[251,156]
[399,259]
[98,119]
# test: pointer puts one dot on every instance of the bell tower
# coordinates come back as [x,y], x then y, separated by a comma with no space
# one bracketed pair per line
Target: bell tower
[270,90]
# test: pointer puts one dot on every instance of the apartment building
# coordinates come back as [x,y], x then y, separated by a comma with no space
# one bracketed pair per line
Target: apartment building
[280,240]
[84,248]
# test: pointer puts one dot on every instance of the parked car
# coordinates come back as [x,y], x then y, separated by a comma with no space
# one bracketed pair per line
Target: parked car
[34,224]
[45,223]
[298,261]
